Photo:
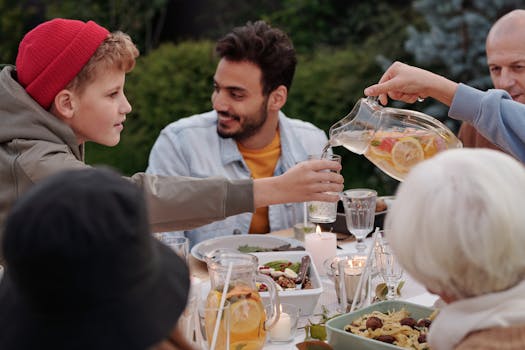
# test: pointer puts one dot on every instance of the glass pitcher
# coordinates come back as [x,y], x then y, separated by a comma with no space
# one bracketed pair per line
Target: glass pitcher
[248,319]
[393,139]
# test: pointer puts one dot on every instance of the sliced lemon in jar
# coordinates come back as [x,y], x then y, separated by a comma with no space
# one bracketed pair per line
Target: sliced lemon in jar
[246,345]
[246,315]
[214,299]
[406,153]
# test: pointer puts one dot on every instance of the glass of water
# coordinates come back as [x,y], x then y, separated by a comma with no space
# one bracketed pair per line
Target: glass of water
[389,268]
[179,244]
[323,212]
[360,209]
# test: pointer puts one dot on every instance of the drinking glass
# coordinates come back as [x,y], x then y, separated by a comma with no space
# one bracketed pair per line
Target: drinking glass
[323,212]
[360,208]
[178,244]
[389,268]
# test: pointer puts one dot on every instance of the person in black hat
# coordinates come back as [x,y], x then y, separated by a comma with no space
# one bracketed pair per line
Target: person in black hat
[83,271]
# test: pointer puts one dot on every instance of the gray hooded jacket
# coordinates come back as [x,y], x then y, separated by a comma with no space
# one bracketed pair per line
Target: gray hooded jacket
[35,144]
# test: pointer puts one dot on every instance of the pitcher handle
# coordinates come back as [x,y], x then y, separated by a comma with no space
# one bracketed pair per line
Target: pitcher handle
[275,313]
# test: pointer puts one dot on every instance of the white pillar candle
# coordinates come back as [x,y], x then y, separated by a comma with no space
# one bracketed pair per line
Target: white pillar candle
[320,245]
[281,331]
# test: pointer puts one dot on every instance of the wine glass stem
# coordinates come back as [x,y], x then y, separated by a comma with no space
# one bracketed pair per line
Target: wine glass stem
[360,246]
[392,293]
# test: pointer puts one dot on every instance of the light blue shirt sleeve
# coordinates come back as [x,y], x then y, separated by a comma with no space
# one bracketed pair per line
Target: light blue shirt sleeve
[494,115]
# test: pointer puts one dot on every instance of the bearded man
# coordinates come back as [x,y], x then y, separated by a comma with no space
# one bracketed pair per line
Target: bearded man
[246,135]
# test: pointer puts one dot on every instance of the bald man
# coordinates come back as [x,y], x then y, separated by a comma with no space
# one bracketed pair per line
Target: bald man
[505,49]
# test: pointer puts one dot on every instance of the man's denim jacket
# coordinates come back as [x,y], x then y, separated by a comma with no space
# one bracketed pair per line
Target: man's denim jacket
[192,147]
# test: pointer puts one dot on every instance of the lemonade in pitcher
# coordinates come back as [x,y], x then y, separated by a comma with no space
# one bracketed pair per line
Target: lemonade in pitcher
[393,139]
[247,317]
[247,314]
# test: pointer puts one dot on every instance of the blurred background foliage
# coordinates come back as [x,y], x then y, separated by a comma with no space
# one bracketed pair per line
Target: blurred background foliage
[343,46]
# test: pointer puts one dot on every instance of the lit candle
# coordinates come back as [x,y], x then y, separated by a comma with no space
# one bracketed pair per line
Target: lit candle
[320,245]
[353,269]
[282,330]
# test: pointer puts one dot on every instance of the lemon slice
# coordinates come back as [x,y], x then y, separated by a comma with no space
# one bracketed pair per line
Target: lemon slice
[406,153]
[214,299]
[246,316]
[378,152]
[247,345]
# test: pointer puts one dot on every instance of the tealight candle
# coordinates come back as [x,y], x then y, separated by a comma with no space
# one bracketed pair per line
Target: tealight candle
[320,245]
[281,331]
[353,270]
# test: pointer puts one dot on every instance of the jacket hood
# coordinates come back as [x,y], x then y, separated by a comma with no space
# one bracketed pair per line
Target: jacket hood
[21,117]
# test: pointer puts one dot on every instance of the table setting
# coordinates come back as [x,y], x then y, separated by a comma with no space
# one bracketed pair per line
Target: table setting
[324,299]
[358,296]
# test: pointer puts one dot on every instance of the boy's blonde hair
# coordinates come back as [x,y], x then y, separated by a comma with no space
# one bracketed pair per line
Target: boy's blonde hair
[117,51]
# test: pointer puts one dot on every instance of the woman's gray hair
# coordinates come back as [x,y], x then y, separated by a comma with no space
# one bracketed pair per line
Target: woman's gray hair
[457,224]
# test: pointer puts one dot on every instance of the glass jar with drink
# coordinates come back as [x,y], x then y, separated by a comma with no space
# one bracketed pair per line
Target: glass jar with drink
[393,139]
[247,316]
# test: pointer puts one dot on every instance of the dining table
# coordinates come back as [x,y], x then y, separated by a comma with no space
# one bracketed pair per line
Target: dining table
[412,291]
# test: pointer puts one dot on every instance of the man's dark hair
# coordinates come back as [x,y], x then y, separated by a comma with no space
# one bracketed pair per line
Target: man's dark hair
[268,48]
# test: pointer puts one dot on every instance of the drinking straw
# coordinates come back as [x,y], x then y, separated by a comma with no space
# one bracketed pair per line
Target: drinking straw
[366,271]
[342,286]
[305,216]
[223,300]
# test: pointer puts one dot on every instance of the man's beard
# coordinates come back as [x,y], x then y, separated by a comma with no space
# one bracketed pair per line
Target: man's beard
[247,129]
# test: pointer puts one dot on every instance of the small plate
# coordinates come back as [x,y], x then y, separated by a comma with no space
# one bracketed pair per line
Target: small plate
[202,249]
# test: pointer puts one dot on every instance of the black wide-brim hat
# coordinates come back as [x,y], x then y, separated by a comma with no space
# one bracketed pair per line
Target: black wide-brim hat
[82,270]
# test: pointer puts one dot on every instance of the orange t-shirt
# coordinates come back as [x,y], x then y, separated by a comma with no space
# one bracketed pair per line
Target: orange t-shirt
[262,163]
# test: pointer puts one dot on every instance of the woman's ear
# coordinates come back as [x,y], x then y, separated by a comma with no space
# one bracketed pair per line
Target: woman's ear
[63,105]
[278,98]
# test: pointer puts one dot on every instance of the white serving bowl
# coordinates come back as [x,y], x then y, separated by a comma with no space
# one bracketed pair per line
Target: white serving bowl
[305,299]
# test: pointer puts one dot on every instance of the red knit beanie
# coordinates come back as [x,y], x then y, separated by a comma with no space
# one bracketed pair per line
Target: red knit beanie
[53,53]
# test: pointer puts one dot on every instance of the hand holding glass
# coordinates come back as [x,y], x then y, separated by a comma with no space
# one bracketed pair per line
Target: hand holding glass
[360,208]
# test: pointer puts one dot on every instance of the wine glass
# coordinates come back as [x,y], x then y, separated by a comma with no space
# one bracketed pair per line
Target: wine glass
[360,208]
[389,268]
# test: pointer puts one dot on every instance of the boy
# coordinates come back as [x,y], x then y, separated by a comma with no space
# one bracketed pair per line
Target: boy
[68,88]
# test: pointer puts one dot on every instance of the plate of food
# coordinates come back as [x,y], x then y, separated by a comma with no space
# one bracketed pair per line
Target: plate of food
[251,243]
[386,325]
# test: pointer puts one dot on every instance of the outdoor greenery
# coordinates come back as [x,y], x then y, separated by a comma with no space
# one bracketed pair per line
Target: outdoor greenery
[343,46]
[452,41]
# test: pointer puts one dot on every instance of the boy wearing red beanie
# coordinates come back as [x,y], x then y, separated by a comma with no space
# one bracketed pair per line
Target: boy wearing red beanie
[68,88]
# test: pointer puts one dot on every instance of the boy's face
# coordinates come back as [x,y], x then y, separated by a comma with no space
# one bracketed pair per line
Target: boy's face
[100,110]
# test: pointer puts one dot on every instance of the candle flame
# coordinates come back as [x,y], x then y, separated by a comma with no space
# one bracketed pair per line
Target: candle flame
[357,262]
[318,229]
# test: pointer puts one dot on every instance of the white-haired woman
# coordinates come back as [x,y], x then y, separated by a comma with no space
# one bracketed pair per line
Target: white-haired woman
[458,227]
